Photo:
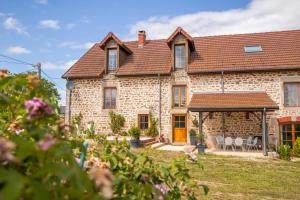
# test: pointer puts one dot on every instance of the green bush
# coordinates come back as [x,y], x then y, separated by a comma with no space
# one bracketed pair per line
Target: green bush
[296,147]
[192,132]
[152,131]
[284,152]
[135,133]
[200,138]
[116,122]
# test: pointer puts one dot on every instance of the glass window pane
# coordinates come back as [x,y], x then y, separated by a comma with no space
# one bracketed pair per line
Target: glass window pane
[112,59]
[179,56]
[291,94]
[143,122]
[176,97]
[110,95]
[284,136]
[251,49]
[182,118]
[182,103]
[297,127]
[182,124]
[176,118]
[177,125]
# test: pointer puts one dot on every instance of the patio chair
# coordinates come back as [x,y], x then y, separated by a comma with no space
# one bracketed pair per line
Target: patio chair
[220,142]
[239,143]
[253,145]
[229,143]
[248,142]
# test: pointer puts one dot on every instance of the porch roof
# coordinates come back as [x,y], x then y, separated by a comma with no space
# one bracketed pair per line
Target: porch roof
[231,102]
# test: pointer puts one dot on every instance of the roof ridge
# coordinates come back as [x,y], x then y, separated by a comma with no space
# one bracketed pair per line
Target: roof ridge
[221,35]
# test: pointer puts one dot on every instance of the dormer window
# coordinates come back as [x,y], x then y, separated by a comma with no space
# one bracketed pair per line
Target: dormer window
[116,52]
[112,59]
[179,56]
[182,45]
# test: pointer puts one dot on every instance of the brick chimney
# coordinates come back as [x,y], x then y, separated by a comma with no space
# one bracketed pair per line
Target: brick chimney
[141,39]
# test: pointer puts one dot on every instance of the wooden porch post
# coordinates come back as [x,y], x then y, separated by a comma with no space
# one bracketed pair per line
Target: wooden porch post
[223,124]
[200,122]
[264,133]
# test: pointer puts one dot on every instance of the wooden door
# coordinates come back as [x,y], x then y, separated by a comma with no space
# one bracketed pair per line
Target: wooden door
[179,128]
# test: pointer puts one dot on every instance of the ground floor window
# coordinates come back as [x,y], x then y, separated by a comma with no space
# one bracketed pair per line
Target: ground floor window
[110,95]
[290,132]
[143,121]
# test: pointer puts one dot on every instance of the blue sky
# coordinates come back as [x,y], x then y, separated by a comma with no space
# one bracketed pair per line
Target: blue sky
[57,32]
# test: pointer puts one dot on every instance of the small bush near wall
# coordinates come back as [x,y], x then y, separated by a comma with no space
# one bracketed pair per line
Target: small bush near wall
[284,152]
[296,148]
[135,133]
[116,122]
[152,130]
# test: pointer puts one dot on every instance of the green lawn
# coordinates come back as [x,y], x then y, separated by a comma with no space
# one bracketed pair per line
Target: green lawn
[240,178]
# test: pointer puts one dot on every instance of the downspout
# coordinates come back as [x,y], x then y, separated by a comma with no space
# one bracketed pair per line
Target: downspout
[159,110]
[70,99]
[223,117]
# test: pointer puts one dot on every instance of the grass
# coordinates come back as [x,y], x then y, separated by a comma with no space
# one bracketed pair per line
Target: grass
[240,178]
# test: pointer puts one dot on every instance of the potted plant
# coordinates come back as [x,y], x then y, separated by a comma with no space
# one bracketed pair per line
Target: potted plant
[201,143]
[193,134]
[135,133]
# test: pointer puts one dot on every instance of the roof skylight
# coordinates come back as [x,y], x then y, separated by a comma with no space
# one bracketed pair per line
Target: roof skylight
[253,48]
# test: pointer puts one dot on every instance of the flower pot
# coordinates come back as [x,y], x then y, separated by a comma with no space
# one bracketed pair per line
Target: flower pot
[201,148]
[193,139]
[135,143]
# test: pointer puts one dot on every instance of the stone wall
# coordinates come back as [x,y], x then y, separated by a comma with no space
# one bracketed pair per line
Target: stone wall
[140,95]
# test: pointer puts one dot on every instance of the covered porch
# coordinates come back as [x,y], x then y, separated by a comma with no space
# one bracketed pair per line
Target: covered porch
[225,104]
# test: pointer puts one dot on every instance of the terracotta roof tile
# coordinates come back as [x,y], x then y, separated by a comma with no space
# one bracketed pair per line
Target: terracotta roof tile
[281,50]
[231,100]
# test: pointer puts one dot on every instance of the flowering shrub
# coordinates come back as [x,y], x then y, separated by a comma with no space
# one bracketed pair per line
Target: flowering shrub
[39,156]
[37,108]
[36,160]
[136,176]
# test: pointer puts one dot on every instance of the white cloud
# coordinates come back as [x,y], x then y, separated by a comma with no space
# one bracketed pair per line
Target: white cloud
[11,23]
[58,65]
[50,24]
[258,16]
[17,50]
[44,2]
[74,45]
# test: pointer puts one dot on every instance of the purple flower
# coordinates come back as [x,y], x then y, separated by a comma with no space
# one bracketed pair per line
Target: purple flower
[37,108]
[162,188]
[18,132]
[47,142]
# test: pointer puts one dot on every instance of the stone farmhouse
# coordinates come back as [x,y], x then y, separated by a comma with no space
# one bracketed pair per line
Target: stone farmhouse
[236,85]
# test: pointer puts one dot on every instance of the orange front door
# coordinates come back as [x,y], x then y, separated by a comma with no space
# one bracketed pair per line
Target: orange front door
[179,128]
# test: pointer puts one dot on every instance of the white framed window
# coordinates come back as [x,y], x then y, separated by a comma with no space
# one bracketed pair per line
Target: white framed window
[179,56]
[110,98]
[291,94]
[112,59]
